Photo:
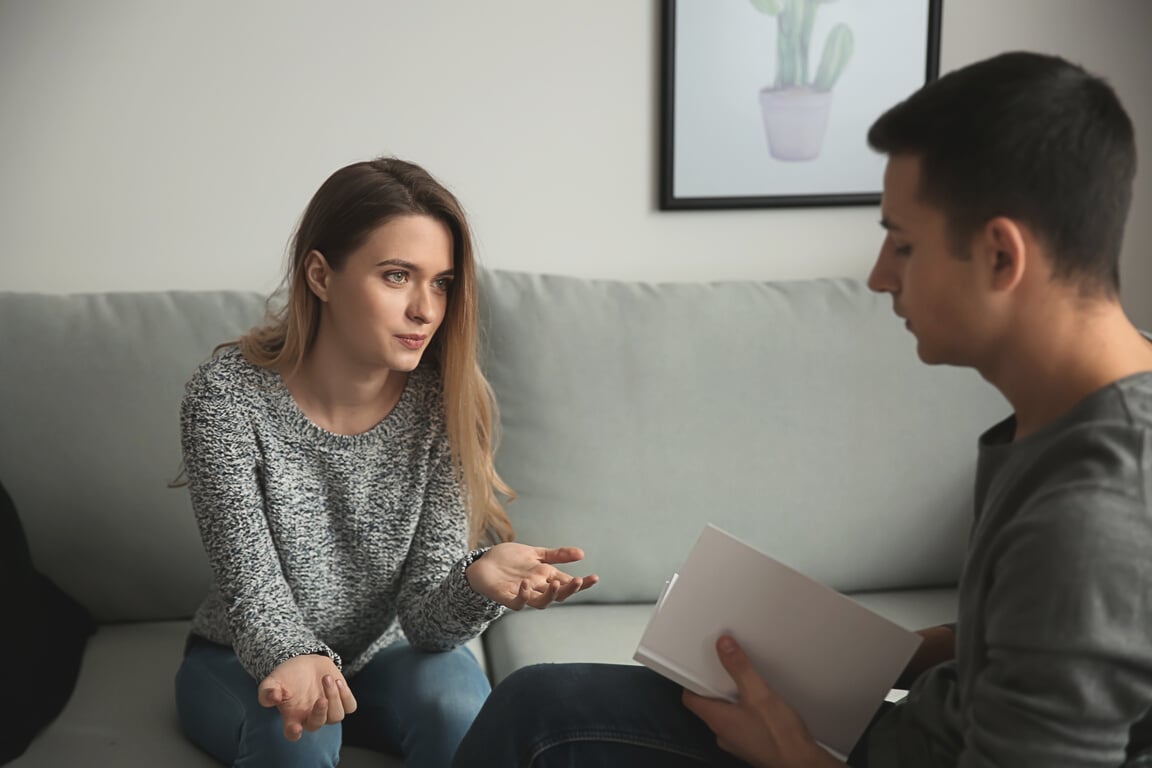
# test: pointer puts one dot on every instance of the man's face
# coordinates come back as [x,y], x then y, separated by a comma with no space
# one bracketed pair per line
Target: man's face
[936,292]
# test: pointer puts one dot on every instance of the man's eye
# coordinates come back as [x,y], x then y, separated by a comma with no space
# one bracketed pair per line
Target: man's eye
[903,250]
[396,277]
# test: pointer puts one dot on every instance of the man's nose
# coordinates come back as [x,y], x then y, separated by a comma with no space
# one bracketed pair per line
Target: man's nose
[883,277]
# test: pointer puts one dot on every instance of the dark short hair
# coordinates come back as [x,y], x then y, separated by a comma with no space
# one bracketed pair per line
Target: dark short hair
[1029,136]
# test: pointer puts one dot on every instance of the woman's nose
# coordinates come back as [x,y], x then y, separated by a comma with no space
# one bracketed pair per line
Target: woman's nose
[421,308]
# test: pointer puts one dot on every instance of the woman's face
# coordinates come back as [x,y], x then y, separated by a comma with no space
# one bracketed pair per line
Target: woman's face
[384,305]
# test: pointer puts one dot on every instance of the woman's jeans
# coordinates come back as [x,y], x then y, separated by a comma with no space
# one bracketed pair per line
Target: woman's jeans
[407,702]
[591,716]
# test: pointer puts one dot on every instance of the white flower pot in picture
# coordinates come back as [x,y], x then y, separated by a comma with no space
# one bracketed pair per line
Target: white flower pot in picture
[795,121]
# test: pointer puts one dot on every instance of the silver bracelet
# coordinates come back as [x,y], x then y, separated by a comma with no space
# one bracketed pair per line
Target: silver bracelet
[470,558]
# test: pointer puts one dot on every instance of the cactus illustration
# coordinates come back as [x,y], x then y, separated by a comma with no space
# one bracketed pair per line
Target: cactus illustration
[795,108]
[794,22]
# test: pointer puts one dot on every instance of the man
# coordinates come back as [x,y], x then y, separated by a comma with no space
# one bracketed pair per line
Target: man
[1005,194]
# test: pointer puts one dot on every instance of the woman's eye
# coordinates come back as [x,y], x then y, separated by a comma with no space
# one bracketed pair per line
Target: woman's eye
[443,283]
[903,250]
[399,278]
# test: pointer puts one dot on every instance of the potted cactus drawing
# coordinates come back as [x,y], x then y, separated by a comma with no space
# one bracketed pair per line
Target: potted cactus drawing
[795,107]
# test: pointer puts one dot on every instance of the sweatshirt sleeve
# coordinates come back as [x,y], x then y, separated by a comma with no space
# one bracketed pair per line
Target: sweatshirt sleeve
[222,459]
[1068,633]
[438,609]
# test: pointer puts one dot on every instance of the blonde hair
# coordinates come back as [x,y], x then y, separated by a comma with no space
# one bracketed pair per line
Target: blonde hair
[347,208]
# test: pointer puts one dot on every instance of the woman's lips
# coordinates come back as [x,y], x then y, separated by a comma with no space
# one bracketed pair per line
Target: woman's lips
[411,341]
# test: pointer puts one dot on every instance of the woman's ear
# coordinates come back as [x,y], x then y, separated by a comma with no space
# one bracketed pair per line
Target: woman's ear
[316,274]
[1003,247]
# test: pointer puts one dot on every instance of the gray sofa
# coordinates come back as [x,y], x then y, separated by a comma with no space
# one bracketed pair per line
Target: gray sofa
[793,414]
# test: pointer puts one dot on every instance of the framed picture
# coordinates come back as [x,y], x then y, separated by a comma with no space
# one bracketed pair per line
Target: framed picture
[767,103]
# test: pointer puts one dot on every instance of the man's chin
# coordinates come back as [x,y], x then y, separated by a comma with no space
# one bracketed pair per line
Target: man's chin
[927,355]
[931,356]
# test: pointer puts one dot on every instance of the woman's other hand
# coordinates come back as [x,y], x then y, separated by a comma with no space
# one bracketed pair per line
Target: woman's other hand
[309,691]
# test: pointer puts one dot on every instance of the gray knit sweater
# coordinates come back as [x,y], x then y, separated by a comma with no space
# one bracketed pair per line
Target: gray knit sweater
[321,542]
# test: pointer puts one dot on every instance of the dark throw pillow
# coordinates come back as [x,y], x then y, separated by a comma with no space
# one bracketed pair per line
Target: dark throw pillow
[44,638]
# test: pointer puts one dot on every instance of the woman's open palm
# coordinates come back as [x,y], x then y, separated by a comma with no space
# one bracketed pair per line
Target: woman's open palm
[517,575]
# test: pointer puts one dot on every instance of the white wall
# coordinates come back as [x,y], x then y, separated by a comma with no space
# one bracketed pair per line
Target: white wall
[154,144]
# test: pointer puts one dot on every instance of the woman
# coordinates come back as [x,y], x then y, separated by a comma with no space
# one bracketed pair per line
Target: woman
[340,465]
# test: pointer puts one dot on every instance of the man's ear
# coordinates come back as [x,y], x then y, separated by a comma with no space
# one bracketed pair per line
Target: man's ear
[1003,248]
[316,274]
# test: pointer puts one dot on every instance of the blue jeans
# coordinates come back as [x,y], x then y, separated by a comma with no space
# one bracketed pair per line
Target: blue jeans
[408,702]
[591,716]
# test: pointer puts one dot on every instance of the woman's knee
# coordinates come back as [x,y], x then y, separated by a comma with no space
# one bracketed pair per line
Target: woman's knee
[257,740]
[262,743]
[210,710]
[452,689]
[429,676]
[219,712]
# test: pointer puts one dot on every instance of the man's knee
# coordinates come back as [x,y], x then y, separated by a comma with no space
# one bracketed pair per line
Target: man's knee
[528,685]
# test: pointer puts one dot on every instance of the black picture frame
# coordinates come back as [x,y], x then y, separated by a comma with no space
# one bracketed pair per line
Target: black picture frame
[701,165]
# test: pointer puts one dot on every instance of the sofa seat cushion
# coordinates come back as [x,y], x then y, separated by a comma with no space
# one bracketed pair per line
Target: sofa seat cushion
[123,711]
[912,608]
[608,634]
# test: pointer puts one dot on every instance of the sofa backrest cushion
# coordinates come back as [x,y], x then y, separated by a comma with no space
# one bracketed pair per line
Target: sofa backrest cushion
[89,440]
[795,415]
